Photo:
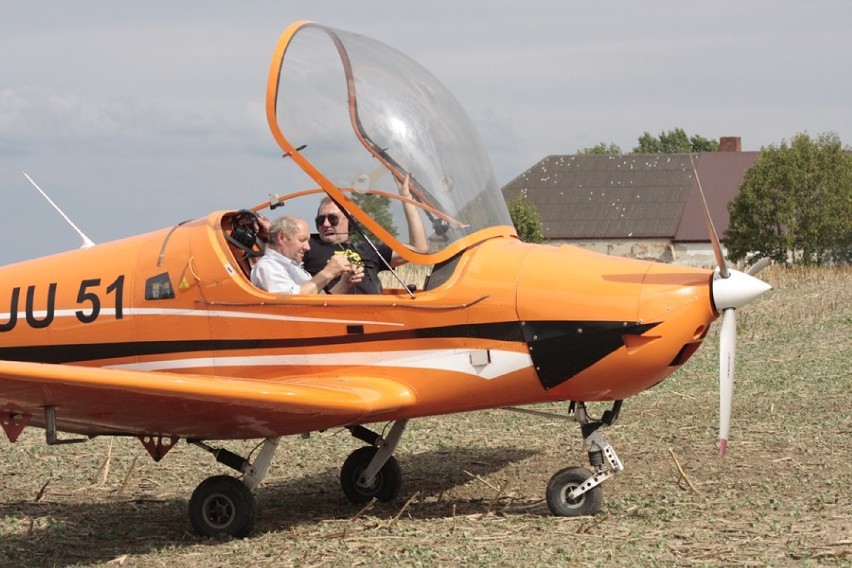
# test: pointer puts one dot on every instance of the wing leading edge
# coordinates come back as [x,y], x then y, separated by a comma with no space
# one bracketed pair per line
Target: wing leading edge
[95,401]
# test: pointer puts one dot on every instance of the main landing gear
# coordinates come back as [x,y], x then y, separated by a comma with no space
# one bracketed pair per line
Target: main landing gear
[372,472]
[576,491]
[223,506]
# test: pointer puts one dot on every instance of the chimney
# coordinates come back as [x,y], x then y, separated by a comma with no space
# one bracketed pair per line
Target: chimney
[730,144]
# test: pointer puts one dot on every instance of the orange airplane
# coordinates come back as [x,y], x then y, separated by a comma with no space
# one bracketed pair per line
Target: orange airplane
[162,336]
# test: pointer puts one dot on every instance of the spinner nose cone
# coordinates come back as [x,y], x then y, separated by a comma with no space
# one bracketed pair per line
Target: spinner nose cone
[737,290]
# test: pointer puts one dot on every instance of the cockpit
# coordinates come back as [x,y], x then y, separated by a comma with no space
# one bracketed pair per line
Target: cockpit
[244,234]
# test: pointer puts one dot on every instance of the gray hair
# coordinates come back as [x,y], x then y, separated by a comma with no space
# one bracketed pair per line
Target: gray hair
[286,224]
[325,200]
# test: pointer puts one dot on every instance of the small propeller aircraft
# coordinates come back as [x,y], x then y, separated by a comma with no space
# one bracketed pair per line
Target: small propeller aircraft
[162,336]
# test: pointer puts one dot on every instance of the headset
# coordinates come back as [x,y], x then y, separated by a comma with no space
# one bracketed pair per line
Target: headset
[243,235]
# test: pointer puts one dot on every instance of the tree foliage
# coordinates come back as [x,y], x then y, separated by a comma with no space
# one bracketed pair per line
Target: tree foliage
[602,148]
[378,207]
[526,219]
[674,142]
[795,204]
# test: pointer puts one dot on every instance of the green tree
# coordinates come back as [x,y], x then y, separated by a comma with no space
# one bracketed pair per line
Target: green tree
[526,219]
[674,142]
[601,148]
[795,203]
[378,207]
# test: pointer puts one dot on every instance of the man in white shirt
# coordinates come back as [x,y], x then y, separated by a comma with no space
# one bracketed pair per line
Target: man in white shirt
[280,269]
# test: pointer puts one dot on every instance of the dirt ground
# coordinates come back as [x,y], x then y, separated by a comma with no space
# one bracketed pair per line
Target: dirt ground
[474,484]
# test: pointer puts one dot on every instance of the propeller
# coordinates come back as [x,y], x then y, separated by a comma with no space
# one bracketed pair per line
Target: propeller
[731,289]
[759,265]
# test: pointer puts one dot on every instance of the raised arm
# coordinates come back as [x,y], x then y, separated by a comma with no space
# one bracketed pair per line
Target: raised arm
[416,233]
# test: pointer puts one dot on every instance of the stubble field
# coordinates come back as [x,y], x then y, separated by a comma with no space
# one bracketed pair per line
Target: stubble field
[474,484]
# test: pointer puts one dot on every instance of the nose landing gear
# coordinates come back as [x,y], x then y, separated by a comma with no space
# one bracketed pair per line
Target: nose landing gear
[576,491]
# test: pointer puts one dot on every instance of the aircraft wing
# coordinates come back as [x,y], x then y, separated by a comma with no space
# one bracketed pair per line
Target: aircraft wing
[91,401]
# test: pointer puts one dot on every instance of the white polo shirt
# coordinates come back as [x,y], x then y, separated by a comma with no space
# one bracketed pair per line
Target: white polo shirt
[278,274]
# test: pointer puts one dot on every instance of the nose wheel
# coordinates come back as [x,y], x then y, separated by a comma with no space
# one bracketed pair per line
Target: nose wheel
[559,489]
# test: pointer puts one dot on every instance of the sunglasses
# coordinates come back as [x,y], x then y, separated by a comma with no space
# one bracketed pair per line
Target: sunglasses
[333,219]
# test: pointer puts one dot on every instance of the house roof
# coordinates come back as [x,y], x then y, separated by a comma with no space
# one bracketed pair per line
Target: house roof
[592,196]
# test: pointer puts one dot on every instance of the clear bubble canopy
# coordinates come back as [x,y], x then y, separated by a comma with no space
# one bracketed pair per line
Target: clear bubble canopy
[371,118]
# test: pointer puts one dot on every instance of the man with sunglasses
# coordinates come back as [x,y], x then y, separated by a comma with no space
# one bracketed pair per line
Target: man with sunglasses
[334,237]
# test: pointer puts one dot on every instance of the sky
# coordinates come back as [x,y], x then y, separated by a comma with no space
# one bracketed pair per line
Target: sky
[136,116]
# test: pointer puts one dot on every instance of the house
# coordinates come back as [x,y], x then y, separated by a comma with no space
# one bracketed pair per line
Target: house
[638,205]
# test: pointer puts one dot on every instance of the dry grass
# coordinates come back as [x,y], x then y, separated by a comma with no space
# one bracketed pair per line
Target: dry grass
[474,483]
[409,274]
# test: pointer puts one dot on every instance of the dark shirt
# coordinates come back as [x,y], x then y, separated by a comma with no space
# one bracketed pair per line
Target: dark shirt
[317,257]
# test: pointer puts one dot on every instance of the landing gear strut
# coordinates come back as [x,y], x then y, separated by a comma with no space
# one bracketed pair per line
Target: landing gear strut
[576,491]
[223,505]
[372,471]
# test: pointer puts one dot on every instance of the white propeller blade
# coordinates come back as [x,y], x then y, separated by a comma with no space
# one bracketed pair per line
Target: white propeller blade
[759,265]
[731,290]
[730,293]
[727,362]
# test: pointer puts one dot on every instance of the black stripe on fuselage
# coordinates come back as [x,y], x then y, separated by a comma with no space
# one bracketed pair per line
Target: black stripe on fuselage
[561,350]
[557,349]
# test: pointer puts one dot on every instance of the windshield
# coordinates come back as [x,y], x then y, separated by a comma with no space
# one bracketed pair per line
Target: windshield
[357,115]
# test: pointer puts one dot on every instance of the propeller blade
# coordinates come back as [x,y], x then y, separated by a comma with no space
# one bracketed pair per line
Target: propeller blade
[729,294]
[727,361]
[759,265]
[714,237]
[731,289]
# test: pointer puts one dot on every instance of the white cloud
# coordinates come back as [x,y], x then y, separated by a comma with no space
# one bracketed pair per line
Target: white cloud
[134,116]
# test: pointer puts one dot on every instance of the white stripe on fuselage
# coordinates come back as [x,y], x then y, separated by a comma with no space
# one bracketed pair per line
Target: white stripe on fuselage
[41,314]
[452,360]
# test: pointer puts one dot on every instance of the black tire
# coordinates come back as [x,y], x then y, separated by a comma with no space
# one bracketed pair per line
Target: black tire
[565,481]
[385,487]
[222,506]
